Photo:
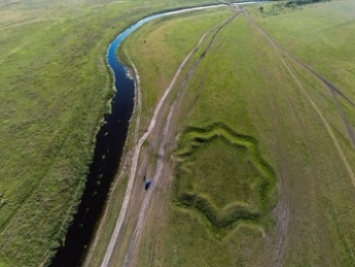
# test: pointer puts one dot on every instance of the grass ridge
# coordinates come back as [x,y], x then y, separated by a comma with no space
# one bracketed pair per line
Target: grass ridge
[236,211]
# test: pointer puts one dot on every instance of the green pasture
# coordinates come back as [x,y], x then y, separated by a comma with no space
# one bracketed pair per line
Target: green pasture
[264,152]
[318,35]
[54,90]
[159,47]
[151,44]
[261,91]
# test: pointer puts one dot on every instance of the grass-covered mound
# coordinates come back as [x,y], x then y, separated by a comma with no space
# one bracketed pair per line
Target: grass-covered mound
[222,175]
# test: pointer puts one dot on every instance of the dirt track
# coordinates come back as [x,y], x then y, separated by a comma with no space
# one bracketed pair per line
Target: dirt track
[335,91]
[308,97]
[282,209]
[138,146]
[132,250]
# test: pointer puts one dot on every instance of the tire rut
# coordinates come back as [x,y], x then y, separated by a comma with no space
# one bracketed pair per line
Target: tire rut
[134,244]
[334,90]
[313,104]
[277,260]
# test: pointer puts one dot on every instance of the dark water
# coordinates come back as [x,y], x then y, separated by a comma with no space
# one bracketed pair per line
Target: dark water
[109,146]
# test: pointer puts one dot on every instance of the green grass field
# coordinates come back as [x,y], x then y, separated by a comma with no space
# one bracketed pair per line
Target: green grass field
[190,29]
[173,38]
[264,165]
[263,169]
[54,91]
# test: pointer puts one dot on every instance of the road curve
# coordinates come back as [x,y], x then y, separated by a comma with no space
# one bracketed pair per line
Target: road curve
[162,151]
[122,215]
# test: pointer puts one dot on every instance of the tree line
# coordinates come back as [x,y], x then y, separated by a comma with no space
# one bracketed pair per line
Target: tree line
[302,2]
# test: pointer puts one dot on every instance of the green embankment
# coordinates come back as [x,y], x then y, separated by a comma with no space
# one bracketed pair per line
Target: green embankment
[243,191]
[54,91]
[228,175]
[297,127]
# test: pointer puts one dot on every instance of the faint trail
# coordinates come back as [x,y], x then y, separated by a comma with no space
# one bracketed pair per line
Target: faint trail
[328,84]
[160,164]
[32,21]
[152,124]
[281,209]
[348,127]
[313,104]
[335,91]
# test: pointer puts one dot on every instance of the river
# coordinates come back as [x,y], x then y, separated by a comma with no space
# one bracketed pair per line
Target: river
[110,142]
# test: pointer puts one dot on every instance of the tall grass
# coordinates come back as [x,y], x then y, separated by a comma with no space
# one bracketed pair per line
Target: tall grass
[54,91]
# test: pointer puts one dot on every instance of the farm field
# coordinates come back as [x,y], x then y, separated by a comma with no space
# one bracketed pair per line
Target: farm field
[54,90]
[257,137]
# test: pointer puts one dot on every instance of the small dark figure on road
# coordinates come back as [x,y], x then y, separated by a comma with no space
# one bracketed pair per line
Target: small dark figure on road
[147,184]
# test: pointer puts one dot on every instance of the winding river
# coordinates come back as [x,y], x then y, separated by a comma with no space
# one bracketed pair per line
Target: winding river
[110,141]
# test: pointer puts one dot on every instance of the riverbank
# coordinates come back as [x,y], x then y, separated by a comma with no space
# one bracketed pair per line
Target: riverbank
[250,149]
[55,87]
[109,221]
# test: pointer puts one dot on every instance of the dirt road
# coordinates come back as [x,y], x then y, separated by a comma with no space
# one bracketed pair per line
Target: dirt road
[134,242]
[132,250]
[137,150]
[282,209]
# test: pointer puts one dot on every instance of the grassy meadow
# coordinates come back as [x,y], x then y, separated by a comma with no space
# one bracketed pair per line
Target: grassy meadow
[54,90]
[264,164]
[159,47]
[151,43]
